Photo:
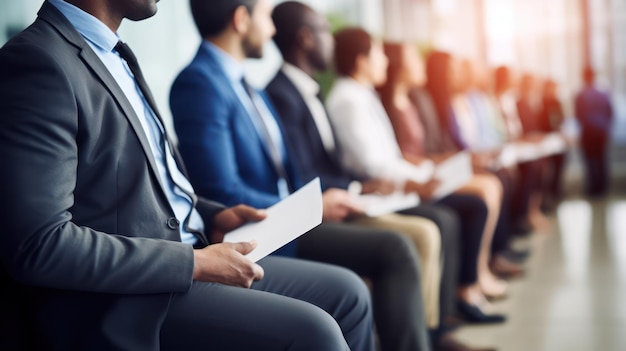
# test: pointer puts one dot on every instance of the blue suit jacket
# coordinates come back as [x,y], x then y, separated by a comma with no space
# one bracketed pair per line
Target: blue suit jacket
[302,136]
[226,157]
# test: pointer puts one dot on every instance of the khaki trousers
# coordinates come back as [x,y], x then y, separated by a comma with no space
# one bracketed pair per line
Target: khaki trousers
[427,240]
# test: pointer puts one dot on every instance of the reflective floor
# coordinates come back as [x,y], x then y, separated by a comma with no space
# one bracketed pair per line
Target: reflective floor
[574,294]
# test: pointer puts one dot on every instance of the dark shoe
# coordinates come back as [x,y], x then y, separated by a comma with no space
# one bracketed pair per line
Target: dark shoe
[517,256]
[473,314]
[447,343]
[522,229]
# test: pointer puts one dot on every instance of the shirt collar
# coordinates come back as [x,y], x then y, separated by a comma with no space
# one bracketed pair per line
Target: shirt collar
[303,82]
[233,69]
[356,86]
[91,28]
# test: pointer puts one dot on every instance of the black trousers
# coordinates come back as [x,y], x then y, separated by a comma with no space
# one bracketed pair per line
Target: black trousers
[472,214]
[594,151]
[299,305]
[502,235]
[449,225]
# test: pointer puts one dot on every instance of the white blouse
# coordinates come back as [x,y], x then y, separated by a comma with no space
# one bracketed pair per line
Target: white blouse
[365,136]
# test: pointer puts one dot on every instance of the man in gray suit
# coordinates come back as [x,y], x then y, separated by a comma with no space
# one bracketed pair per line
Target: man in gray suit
[105,244]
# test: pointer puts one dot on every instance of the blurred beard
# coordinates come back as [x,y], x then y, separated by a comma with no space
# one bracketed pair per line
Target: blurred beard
[252,50]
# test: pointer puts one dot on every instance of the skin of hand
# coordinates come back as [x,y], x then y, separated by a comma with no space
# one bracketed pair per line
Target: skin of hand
[534,137]
[338,205]
[481,161]
[424,190]
[225,263]
[416,160]
[440,157]
[380,186]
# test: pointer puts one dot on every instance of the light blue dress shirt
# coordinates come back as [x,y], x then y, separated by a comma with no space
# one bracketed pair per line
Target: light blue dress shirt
[264,118]
[102,40]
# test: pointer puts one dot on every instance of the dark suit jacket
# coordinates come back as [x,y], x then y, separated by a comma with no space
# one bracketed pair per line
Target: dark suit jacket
[86,250]
[302,135]
[594,113]
[209,116]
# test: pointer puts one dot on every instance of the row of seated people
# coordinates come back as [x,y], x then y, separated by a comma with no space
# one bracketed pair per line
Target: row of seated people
[459,105]
[134,269]
[431,267]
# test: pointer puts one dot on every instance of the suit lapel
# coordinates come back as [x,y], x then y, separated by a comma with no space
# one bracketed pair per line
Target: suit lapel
[207,59]
[51,15]
[310,125]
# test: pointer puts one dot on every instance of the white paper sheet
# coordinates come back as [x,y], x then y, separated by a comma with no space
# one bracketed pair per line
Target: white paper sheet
[453,173]
[287,220]
[507,157]
[527,151]
[553,143]
[377,205]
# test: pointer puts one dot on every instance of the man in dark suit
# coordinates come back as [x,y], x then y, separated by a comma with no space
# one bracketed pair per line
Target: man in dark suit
[214,108]
[105,244]
[306,44]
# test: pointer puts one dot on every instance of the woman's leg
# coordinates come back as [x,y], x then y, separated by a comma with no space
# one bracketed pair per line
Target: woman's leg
[488,188]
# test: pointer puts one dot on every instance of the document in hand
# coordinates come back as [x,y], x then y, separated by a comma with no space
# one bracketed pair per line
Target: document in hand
[287,220]
[377,205]
[453,173]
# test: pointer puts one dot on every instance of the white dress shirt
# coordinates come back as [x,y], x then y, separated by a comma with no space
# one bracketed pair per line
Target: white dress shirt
[368,145]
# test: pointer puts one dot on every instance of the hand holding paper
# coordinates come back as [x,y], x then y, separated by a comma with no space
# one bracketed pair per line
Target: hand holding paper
[287,220]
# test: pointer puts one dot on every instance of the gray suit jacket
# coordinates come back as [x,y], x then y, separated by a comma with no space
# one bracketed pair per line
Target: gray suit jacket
[89,253]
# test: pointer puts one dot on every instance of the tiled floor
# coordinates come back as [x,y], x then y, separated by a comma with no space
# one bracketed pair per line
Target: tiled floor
[574,295]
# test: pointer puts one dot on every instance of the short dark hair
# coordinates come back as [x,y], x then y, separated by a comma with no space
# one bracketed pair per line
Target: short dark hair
[350,43]
[212,16]
[289,18]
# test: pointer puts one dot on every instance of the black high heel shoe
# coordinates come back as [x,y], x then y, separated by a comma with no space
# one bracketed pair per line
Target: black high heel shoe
[473,314]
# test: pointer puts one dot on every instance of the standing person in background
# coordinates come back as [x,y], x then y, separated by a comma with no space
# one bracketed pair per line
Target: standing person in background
[105,245]
[594,113]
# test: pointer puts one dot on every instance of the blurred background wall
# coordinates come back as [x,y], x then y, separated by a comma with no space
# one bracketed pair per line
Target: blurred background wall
[551,39]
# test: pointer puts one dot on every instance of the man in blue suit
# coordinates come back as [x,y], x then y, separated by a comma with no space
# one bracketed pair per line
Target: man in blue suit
[235,150]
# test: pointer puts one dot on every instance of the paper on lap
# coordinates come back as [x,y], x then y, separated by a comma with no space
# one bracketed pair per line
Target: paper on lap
[512,153]
[453,173]
[286,221]
[377,205]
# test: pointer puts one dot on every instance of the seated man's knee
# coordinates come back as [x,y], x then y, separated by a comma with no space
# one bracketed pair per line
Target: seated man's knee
[318,330]
[398,249]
